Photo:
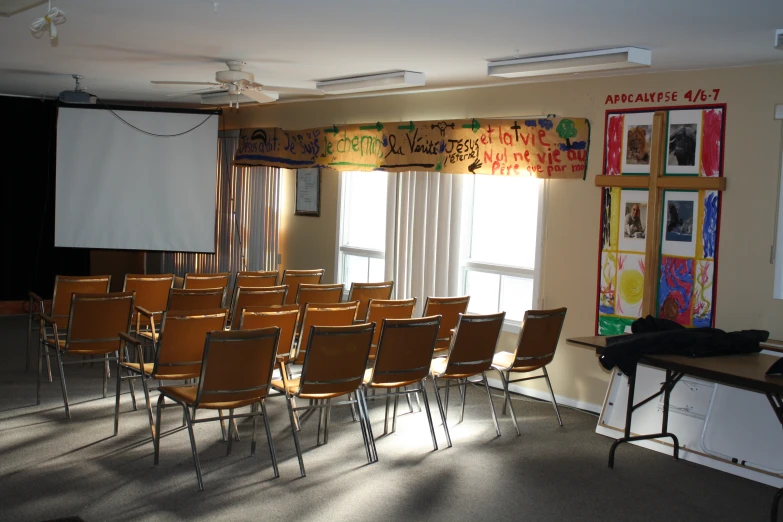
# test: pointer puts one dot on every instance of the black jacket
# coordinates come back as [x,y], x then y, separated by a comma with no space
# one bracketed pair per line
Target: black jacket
[661,336]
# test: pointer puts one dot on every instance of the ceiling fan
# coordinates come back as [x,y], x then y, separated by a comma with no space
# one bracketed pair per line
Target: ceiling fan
[235,81]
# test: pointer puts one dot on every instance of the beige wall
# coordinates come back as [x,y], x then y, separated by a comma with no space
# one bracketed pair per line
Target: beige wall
[752,166]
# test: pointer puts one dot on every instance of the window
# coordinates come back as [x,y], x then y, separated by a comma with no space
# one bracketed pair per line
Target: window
[362,235]
[502,227]
[777,249]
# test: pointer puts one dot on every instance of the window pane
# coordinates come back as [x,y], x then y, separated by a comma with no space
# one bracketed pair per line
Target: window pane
[483,290]
[505,213]
[364,210]
[354,269]
[377,267]
[516,296]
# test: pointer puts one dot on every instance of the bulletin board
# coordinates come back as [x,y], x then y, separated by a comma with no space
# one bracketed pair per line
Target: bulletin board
[686,274]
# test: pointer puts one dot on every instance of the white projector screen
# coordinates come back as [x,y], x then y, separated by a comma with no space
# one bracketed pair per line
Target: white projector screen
[118,188]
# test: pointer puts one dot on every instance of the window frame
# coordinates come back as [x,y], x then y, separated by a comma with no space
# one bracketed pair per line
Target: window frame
[536,273]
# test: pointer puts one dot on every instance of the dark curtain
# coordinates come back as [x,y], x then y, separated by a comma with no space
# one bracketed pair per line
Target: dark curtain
[29,260]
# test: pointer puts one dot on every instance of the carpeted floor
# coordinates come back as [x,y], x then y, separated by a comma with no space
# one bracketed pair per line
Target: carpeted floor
[53,468]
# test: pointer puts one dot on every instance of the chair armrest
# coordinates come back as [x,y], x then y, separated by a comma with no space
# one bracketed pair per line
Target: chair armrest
[35,297]
[45,318]
[144,312]
[128,339]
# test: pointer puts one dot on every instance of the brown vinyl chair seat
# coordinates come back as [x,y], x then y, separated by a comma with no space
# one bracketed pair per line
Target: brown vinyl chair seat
[392,384]
[292,385]
[187,394]
[505,361]
[148,370]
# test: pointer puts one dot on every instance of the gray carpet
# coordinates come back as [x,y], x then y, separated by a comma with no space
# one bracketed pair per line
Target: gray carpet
[53,468]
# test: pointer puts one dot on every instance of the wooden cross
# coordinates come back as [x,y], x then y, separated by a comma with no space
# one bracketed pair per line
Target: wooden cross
[655,183]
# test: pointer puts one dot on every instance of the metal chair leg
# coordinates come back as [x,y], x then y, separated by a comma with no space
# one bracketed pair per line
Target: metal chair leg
[253,409]
[505,387]
[507,401]
[394,415]
[491,405]
[149,403]
[552,393]
[362,402]
[363,424]
[193,447]
[62,384]
[156,430]
[29,335]
[463,393]
[40,369]
[429,416]
[386,415]
[327,414]
[105,373]
[269,440]
[442,413]
[296,438]
[117,401]
[230,426]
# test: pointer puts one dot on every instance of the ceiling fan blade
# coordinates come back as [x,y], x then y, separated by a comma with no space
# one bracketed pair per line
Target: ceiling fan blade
[294,90]
[260,96]
[197,92]
[183,83]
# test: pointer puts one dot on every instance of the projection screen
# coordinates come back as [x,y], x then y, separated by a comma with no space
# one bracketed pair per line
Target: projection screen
[119,188]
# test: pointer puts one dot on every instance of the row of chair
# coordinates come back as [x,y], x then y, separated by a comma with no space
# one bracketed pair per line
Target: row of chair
[400,346]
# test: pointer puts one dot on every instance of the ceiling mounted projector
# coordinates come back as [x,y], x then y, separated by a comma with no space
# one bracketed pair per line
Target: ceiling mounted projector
[78,95]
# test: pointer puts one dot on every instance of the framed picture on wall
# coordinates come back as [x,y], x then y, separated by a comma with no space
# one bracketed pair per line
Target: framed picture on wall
[308,192]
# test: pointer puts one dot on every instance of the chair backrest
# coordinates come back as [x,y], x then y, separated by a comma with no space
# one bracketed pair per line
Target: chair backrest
[538,337]
[380,309]
[259,296]
[152,290]
[66,286]
[308,293]
[293,278]
[317,314]
[335,359]
[197,281]
[363,292]
[284,317]
[181,341]
[258,279]
[405,349]
[449,309]
[181,299]
[474,343]
[96,320]
[237,366]
[261,279]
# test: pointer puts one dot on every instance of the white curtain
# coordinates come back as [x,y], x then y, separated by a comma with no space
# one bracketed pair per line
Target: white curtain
[247,222]
[424,256]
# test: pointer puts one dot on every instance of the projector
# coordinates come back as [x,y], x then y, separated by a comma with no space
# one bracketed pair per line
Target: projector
[78,97]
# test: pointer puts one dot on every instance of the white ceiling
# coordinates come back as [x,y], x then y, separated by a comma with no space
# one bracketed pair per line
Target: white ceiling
[120,45]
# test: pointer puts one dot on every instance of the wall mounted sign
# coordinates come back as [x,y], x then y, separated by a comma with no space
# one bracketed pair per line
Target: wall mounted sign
[541,147]
[308,192]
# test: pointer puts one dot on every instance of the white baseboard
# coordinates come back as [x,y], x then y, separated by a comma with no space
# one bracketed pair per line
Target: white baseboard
[544,395]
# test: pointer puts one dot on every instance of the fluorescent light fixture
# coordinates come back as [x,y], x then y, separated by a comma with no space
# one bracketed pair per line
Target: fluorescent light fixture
[601,60]
[372,82]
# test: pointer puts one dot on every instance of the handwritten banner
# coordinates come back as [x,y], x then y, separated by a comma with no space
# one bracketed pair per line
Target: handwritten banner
[542,147]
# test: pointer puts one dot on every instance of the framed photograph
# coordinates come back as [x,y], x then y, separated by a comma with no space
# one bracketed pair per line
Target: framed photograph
[633,220]
[637,142]
[680,216]
[684,142]
[308,192]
